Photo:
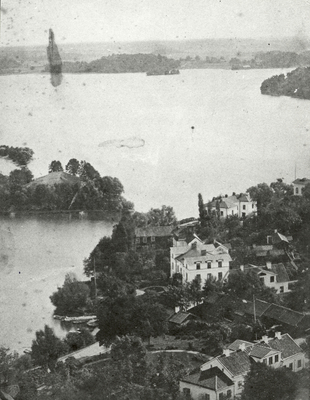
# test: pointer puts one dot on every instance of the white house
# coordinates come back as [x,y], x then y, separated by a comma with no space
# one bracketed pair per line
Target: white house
[240,205]
[225,375]
[195,259]
[299,185]
[273,276]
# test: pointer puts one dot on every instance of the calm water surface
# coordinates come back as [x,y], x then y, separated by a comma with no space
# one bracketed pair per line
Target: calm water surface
[35,255]
[240,138]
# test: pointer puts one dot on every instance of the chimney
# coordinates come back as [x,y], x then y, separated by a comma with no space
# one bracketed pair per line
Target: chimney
[242,346]
[242,268]
[278,335]
[268,264]
[265,339]
[276,231]
[226,352]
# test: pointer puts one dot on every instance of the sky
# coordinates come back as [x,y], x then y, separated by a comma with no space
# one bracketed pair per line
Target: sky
[26,22]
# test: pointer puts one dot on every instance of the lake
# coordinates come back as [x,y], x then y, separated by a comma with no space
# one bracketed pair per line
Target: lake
[138,129]
[240,137]
[35,255]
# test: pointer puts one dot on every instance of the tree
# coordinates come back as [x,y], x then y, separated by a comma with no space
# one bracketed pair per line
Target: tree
[87,172]
[130,315]
[47,347]
[267,383]
[73,166]
[77,340]
[20,176]
[71,296]
[202,211]
[55,166]
[161,216]
[129,354]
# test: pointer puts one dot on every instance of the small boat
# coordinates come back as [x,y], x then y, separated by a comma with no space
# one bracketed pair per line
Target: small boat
[81,319]
[92,323]
[166,72]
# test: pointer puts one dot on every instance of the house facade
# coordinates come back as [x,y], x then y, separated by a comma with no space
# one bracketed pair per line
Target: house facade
[241,205]
[299,185]
[274,276]
[152,238]
[225,375]
[195,259]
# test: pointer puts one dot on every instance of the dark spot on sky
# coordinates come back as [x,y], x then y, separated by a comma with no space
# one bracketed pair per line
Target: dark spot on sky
[3,10]
[54,59]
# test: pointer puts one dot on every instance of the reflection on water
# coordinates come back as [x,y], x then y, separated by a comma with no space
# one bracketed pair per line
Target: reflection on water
[35,255]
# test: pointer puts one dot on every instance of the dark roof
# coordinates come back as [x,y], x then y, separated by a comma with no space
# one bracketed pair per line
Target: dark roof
[278,238]
[237,363]
[283,314]
[156,231]
[280,270]
[181,317]
[260,351]
[286,345]
[212,378]
[302,181]
[260,307]
[235,345]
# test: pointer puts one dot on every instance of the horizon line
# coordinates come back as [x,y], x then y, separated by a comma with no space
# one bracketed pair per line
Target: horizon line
[152,40]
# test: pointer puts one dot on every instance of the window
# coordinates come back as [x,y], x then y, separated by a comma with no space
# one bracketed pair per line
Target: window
[137,240]
[197,265]
[252,205]
[153,238]
[299,364]
[221,396]
[232,212]
[265,360]
[229,394]
[240,384]
[144,239]
[243,207]
[243,214]
[222,213]
[208,264]
[220,264]
[270,360]
[296,191]
[204,396]
[186,391]
[186,277]
[272,279]
[198,277]
[291,366]
[220,275]
[262,280]
[276,358]
[209,276]
[281,289]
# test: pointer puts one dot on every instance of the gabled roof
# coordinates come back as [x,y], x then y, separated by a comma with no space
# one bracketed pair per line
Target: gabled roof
[278,237]
[286,345]
[212,378]
[280,270]
[302,181]
[260,307]
[283,314]
[156,231]
[260,351]
[235,345]
[237,363]
[181,317]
